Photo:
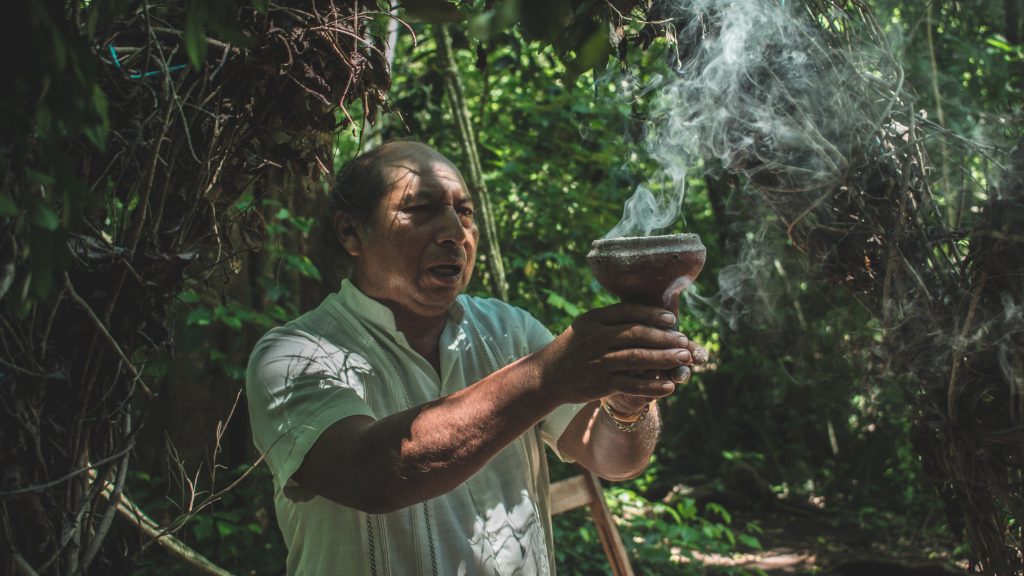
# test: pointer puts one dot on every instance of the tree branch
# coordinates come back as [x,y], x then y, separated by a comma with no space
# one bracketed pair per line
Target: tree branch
[127,509]
[106,334]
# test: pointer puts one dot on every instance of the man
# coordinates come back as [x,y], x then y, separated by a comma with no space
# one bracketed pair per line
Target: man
[404,421]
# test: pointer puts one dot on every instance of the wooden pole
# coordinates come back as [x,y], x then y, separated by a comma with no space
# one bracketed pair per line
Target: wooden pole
[475,179]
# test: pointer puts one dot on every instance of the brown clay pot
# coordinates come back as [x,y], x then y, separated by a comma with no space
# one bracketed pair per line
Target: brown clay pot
[651,270]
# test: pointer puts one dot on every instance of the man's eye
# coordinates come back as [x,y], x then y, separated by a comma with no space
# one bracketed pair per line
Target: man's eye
[465,211]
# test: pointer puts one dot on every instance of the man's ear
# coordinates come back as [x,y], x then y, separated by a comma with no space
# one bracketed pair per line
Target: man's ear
[347,233]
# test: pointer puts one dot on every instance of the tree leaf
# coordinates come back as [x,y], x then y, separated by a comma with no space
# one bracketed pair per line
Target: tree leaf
[592,54]
[195,35]
[97,133]
[225,529]
[44,217]
[189,296]
[999,42]
[202,528]
[37,178]
[7,206]
[558,301]
[749,541]
[433,11]
[199,317]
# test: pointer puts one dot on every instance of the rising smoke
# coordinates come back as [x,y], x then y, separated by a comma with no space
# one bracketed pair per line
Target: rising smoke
[811,127]
[758,90]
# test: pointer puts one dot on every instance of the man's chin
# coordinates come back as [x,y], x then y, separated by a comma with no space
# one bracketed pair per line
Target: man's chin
[440,294]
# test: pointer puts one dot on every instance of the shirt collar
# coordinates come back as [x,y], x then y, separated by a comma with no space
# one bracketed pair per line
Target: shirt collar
[366,308]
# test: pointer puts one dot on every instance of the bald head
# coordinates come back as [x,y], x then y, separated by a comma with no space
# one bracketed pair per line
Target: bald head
[364,180]
[402,151]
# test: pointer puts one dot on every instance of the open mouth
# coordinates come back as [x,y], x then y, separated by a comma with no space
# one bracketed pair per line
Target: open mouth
[447,271]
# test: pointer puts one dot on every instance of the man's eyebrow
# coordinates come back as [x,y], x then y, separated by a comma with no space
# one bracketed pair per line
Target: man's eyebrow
[425,193]
[419,194]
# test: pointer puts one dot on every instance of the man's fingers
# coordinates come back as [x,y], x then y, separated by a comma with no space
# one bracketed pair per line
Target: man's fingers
[648,385]
[645,359]
[680,375]
[699,353]
[640,336]
[624,313]
[640,326]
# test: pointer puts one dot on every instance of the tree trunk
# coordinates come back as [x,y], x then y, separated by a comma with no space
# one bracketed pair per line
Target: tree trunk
[1012,17]
[467,139]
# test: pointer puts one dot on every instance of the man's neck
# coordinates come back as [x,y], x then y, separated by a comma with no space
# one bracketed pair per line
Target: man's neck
[423,335]
[421,331]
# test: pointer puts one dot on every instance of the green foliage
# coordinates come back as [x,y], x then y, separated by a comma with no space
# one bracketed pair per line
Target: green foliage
[56,112]
[54,96]
[217,19]
[239,531]
[582,34]
[966,61]
[662,538]
[204,309]
[788,401]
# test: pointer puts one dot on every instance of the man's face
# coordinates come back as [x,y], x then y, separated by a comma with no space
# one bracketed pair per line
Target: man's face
[417,254]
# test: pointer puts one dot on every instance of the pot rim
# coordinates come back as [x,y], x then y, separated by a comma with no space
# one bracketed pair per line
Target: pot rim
[645,245]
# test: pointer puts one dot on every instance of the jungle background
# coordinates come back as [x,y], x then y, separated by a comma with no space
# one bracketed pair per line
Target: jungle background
[163,172]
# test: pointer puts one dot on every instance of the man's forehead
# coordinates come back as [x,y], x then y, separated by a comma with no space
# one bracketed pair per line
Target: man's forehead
[403,168]
[411,154]
[421,171]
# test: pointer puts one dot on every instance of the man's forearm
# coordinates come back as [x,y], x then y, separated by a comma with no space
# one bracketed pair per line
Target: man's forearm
[428,450]
[595,441]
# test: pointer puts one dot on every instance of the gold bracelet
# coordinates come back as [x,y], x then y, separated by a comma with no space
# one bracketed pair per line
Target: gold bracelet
[629,422]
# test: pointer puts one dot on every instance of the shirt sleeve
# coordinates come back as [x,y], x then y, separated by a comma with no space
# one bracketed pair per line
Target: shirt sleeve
[555,423]
[297,386]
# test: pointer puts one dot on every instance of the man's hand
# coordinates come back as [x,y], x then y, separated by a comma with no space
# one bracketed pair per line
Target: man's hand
[628,404]
[622,350]
[627,354]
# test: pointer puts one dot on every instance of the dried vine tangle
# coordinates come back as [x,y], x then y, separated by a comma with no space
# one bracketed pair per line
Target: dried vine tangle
[185,147]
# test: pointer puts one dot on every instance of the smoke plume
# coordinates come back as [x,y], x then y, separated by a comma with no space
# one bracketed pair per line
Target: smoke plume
[756,89]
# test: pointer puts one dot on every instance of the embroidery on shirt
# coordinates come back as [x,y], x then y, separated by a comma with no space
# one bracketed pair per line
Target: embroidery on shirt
[509,541]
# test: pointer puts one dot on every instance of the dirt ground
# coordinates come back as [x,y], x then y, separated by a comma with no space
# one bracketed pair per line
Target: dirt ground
[807,542]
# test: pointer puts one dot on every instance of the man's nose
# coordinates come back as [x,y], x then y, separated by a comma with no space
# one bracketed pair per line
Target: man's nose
[451,228]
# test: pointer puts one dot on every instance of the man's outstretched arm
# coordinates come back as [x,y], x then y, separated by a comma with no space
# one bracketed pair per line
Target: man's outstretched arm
[382,465]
